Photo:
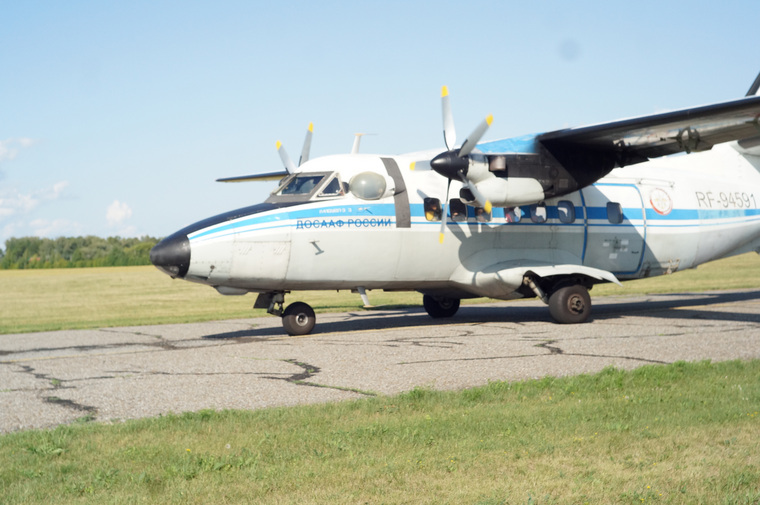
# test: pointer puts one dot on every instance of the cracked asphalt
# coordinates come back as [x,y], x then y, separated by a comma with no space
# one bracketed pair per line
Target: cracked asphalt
[112,374]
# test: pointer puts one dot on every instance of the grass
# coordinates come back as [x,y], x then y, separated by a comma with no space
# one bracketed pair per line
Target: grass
[683,433]
[44,300]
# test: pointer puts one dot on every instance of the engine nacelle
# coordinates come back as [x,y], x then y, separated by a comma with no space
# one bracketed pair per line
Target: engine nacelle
[503,191]
[512,192]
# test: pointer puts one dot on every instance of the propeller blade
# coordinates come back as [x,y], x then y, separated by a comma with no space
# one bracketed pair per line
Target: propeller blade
[449,132]
[420,165]
[443,214]
[479,198]
[306,145]
[289,165]
[475,137]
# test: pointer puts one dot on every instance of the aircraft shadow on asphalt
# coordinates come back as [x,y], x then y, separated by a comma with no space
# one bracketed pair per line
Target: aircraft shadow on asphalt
[654,306]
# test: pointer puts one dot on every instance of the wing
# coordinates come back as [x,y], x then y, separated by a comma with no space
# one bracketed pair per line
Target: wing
[271,176]
[630,141]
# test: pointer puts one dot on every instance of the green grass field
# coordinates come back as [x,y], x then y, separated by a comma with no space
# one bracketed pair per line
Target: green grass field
[41,300]
[678,434]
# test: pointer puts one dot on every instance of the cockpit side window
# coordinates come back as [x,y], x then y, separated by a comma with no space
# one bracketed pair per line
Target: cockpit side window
[333,188]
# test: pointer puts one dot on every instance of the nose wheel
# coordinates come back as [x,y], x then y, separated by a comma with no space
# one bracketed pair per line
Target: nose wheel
[298,319]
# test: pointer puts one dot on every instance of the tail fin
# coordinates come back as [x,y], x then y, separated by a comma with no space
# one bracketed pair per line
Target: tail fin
[751,145]
[753,90]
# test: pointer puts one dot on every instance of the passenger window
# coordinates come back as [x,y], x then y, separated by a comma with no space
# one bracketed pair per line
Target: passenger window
[458,210]
[334,188]
[481,216]
[512,214]
[432,209]
[566,211]
[538,213]
[614,213]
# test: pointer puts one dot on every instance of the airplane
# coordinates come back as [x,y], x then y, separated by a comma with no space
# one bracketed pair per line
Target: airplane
[545,215]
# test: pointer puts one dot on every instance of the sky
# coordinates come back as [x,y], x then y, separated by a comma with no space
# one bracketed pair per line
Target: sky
[117,117]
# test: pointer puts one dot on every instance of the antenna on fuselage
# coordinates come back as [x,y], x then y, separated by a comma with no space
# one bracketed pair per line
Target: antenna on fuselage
[358,141]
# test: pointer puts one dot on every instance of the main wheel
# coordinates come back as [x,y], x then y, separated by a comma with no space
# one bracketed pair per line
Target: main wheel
[298,319]
[570,304]
[438,307]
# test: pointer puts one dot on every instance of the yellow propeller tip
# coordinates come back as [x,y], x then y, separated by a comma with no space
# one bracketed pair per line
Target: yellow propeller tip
[488,207]
[444,91]
[279,144]
[311,127]
[411,166]
[440,238]
[489,119]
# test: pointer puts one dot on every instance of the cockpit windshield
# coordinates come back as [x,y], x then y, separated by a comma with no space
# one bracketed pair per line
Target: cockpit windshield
[304,186]
[300,184]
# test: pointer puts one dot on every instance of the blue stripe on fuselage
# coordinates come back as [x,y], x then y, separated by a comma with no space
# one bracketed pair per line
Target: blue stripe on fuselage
[262,214]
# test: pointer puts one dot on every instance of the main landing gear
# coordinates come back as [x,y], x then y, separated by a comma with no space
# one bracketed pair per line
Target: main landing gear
[439,307]
[298,318]
[568,299]
[570,304]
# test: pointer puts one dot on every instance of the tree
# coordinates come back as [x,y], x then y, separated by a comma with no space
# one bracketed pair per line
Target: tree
[67,252]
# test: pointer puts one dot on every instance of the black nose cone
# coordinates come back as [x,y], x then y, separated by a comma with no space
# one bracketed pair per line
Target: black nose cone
[172,255]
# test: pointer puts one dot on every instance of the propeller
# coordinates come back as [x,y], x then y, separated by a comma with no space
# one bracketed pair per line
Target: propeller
[287,161]
[443,214]
[454,163]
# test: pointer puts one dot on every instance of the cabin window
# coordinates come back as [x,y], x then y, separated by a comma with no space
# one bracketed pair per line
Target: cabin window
[566,211]
[614,213]
[301,184]
[333,188]
[458,210]
[512,214]
[538,213]
[481,216]
[367,186]
[432,209]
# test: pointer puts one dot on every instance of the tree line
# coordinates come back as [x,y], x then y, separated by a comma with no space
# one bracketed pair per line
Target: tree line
[75,252]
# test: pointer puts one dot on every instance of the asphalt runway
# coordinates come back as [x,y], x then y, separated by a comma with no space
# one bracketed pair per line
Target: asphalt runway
[113,374]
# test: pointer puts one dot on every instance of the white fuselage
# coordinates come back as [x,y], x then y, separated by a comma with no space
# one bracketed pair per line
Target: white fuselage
[650,219]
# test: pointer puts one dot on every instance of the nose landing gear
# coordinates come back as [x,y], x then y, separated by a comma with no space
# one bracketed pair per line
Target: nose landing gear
[298,318]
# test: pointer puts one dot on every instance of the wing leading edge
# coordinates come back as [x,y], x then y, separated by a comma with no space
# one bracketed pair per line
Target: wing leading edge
[635,140]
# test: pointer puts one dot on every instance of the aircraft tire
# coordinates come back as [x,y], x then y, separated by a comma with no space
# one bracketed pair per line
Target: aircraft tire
[570,304]
[438,307]
[298,319]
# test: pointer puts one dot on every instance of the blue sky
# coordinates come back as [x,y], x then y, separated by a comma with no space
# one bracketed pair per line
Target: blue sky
[117,117]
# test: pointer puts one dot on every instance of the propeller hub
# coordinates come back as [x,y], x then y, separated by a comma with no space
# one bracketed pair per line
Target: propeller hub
[450,165]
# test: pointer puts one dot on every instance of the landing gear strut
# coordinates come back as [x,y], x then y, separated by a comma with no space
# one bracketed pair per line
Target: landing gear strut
[297,318]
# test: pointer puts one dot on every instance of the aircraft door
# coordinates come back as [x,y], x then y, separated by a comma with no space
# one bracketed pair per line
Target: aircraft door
[615,228]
